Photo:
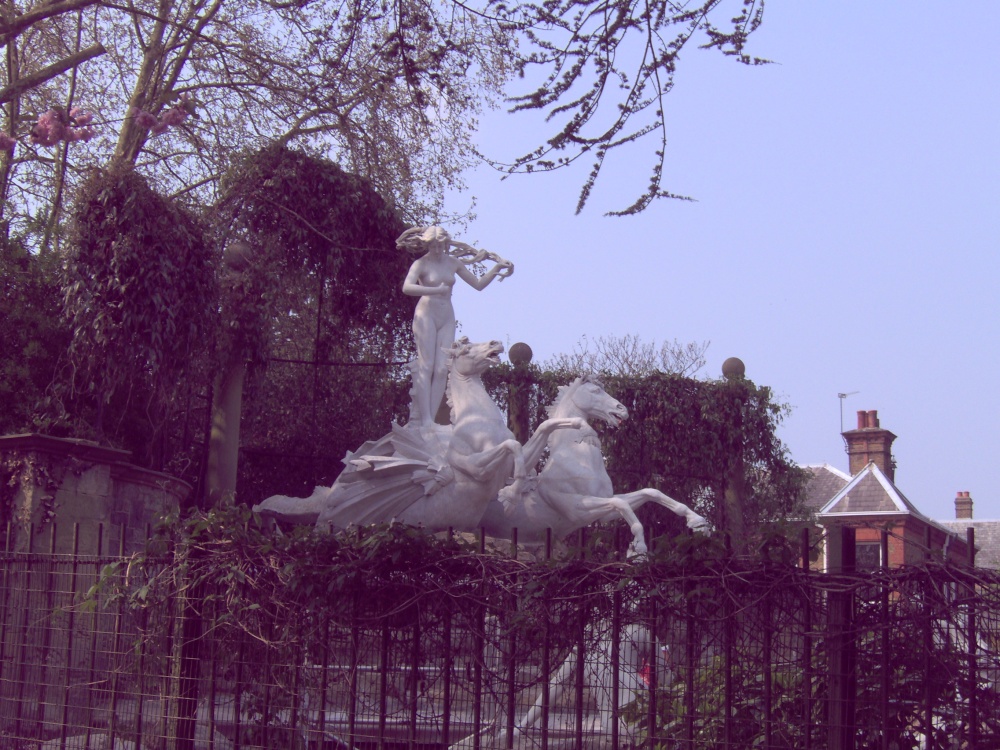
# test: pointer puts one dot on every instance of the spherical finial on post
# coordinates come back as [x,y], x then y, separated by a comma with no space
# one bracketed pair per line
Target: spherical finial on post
[520,354]
[238,257]
[733,369]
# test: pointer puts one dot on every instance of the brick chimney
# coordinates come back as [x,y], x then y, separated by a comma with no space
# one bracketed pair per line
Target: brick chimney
[963,505]
[870,443]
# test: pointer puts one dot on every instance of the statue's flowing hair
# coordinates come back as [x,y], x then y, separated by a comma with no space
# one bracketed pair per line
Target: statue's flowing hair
[416,239]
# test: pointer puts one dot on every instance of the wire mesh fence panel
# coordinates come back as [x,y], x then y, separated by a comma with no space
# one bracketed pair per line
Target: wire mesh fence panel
[59,663]
[100,652]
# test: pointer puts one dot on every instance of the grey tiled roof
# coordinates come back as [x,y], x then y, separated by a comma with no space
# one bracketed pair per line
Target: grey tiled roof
[987,539]
[867,495]
[871,493]
[824,482]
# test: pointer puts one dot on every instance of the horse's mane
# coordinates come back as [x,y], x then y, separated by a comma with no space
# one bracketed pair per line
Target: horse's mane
[461,346]
[566,390]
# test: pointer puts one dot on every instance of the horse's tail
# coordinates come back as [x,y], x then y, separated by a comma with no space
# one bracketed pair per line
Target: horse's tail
[301,510]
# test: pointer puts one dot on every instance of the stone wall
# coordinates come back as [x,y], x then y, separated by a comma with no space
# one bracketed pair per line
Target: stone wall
[64,496]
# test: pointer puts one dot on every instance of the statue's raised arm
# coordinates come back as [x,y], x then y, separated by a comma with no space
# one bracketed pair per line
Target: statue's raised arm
[431,278]
[470,255]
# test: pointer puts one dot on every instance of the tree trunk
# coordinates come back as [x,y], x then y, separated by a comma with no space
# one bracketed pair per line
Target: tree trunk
[146,93]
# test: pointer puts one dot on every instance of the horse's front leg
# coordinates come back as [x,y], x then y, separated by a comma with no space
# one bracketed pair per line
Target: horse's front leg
[535,445]
[483,465]
[693,520]
[592,509]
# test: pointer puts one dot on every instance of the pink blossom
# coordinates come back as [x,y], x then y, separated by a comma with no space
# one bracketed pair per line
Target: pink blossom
[79,134]
[144,119]
[170,118]
[7,143]
[174,116]
[55,125]
[80,117]
[49,129]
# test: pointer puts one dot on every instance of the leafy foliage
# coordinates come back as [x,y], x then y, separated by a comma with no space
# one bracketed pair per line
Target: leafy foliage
[688,436]
[33,336]
[384,570]
[139,293]
[320,299]
[310,220]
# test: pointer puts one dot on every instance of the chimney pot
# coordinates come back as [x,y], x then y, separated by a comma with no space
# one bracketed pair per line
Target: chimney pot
[870,444]
[963,506]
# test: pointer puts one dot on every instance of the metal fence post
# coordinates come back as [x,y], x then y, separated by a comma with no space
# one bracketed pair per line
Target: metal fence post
[841,646]
[546,656]
[767,665]
[448,663]
[651,718]
[616,633]
[807,671]
[190,658]
[580,656]
[689,658]
[383,681]
[414,678]
[480,656]
[70,631]
[511,647]
[886,642]
[972,639]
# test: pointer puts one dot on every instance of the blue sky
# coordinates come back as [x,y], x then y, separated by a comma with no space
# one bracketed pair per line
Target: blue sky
[844,237]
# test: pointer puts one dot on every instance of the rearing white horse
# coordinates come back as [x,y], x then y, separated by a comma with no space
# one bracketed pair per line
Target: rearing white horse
[574,490]
[435,476]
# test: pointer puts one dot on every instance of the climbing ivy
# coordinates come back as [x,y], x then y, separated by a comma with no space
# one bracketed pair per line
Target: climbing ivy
[320,304]
[323,234]
[33,335]
[33,478]
[139,286]
[246,567]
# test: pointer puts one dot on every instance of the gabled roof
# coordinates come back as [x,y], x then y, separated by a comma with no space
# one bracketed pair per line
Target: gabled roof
[824,482]
[871,495]
[869,492]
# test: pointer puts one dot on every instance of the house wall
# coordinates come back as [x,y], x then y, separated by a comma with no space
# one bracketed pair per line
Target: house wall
[909,542]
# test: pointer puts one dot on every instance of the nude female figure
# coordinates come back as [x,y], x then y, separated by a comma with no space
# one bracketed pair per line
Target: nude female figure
[431,278]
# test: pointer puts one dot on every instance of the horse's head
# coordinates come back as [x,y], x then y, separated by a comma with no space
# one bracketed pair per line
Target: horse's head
[589,396]
[467,358]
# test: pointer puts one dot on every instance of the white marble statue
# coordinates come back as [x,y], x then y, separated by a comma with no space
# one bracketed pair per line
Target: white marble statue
[437,479]
[473,473]
[431,277]
[638,655]
[573,489]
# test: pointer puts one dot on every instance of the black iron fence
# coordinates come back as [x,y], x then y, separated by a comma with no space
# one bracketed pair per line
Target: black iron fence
[592,651]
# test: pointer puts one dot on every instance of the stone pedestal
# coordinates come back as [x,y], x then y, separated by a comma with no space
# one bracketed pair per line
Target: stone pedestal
[94,498]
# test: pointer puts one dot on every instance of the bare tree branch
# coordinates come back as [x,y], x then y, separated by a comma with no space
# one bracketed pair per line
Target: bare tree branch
[39,77]
[15,25]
